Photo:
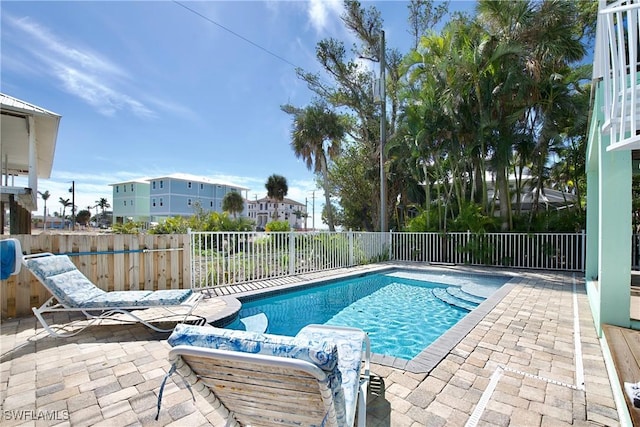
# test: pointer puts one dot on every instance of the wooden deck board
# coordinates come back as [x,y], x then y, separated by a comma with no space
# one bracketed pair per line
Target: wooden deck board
[624,345]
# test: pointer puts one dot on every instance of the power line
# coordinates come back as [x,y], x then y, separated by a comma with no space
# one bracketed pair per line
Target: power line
[206,18]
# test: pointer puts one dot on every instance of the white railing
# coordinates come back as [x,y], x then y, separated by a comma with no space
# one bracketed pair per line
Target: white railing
[617,63]
[224,258]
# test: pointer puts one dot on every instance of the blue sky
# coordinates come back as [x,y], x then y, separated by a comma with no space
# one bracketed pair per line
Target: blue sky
[150,88]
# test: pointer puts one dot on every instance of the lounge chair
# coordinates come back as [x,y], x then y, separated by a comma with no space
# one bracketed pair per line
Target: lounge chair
[72,292]
[313,379]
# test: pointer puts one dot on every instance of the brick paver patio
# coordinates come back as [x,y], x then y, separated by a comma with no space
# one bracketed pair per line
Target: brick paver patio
[519,365]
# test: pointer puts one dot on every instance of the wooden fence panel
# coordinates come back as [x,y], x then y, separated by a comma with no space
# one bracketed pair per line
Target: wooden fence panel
[112,262]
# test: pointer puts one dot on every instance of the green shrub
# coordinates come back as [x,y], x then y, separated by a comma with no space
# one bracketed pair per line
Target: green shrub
[131,227]
[278,226]
[175,225]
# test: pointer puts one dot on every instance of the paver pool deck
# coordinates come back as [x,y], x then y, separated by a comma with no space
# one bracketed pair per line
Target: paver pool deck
[532,358]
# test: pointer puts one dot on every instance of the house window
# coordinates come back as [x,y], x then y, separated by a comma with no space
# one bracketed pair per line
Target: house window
[124,188]
[202,186]
[160,199]
[189,202]
[153,185]
[125,203]
[161,184]
[132,203]
[117,188]
[211,204]
[189,184]
[153,202]
[131,187]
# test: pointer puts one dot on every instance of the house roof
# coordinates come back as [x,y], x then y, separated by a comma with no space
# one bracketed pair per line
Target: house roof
[268,200]
[184,177]
[14,132]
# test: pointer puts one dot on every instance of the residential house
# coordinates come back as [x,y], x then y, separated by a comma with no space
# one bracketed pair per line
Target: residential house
[131,201]
[265,210]
[155,199]
[613,142]
[28,135]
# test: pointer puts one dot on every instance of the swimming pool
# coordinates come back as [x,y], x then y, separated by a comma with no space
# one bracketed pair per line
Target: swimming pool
[402,311]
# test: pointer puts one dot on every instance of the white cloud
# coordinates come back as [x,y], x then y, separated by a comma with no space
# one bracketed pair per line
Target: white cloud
[324,13]
[83,73]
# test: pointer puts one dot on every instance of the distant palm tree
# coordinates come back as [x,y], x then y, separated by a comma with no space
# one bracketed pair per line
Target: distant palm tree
[45,196]
[65,204]
[103,204]
[277,189]
[314,128]
[233,202]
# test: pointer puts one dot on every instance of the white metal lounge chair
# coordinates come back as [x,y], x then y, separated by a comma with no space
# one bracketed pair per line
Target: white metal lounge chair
[72,292]
[316,378]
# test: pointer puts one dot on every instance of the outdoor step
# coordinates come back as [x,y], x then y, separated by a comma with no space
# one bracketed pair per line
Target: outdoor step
[443,295]
[459,293]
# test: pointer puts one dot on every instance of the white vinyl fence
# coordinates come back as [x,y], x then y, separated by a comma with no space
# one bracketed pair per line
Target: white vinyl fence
[224,258]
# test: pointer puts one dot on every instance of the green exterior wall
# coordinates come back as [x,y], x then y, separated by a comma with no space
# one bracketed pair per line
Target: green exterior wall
[609,227]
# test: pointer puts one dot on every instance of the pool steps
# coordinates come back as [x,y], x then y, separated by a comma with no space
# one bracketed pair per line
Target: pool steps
[455,296]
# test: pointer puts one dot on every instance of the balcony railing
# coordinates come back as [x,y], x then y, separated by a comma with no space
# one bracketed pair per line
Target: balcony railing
[617,63]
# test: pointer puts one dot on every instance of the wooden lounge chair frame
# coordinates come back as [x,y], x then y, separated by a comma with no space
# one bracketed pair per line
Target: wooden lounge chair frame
[257,389]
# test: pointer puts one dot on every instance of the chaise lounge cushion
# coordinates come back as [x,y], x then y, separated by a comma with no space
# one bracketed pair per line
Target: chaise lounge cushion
[73,289]
[349,345]
[322,354]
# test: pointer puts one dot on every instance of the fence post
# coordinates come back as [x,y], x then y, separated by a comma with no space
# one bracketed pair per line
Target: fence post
[191,258]
[292,253]
[351,260]
[390,243]
[583,244]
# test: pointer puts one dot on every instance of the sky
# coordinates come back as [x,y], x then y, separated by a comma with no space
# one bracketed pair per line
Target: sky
[150,88]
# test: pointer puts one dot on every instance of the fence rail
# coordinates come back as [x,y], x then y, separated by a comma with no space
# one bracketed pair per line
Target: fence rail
[205,260]
[223,258]
[112,262]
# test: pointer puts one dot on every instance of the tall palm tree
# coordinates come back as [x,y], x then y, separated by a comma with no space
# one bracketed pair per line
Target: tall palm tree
[316,135]
[45,196]
[277,189]
[233,202]
[65,204]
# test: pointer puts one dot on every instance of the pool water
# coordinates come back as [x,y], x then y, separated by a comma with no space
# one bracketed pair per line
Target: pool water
[401,314]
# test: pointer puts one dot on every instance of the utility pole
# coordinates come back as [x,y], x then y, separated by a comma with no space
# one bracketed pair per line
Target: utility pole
[383,135]
[72,190]
[313,218]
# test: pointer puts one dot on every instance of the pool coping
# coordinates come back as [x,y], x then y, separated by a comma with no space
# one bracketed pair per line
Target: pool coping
[429,357]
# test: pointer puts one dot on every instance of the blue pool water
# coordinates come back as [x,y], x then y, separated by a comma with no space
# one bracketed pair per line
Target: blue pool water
[401,314]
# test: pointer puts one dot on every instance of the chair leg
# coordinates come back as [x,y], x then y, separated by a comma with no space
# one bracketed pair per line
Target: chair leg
[51,331]
[362,404]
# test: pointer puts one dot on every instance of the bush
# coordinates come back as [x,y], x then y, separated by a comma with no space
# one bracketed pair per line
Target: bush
[132,227]
[278,226]
[175,225]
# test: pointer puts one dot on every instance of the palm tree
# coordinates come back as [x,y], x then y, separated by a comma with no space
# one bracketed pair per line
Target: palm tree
[45,196]
[103,204]
[277,189]
[317,134]
[65,204]
[233,202]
